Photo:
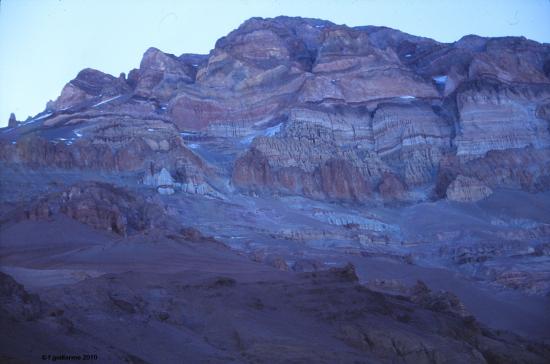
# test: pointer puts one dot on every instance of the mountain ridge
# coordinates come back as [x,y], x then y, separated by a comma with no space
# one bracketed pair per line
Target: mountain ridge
[267,70]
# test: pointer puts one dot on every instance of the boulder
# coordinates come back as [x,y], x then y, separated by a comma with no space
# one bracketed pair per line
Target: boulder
[467,189]
[165,190]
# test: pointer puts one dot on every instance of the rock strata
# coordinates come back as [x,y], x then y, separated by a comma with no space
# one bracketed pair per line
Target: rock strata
[307,107]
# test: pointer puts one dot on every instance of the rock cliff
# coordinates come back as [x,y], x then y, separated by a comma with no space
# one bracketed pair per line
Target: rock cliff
[313,108]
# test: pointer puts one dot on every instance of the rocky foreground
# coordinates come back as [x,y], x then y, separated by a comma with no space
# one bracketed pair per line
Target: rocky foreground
[197,207]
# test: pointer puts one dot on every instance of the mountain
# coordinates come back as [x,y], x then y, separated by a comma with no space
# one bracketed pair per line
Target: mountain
[294,145]
[321,110]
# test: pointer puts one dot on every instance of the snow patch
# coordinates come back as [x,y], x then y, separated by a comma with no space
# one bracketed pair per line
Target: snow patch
[269,132]
[407,97]
[14,142]
[408,55]
[193,146]
[248,139]
[40,118]
[150,129]
[186,134]
[274,130]
[106,101]
[78,134]
[440,79]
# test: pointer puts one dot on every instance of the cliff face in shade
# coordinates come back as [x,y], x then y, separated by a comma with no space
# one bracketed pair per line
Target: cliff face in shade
[307,107]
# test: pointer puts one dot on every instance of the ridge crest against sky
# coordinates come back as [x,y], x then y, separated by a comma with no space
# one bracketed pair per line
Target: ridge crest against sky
[45,43]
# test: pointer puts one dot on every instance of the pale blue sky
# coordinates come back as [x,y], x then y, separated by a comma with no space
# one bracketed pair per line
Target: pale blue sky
[44,43]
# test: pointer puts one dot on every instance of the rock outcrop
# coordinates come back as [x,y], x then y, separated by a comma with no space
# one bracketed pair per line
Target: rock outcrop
[497,116]
[162,181]
[112,143]
[90,88]
[12,122]
[99,205]
[161,75]
[16,302]
[437,301]
[467,189]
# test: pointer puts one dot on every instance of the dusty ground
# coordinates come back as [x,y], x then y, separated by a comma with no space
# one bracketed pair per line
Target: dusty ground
[160,296]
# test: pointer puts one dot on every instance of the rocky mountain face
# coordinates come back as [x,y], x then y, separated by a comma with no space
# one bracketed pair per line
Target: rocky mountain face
[318,109]
[304,144]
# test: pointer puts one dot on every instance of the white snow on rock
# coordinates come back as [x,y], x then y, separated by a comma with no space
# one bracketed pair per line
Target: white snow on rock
[248,139]
[440,79]
[77,133]
[193,146]
[106,101]
[269,132]
[408,55]
[274,130]
[150,129]
[407,97]
[39,118]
